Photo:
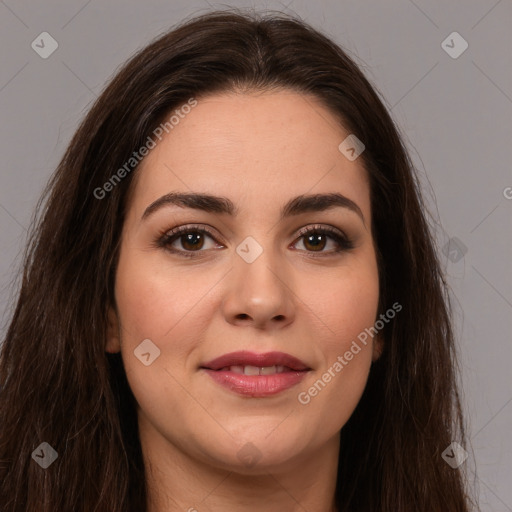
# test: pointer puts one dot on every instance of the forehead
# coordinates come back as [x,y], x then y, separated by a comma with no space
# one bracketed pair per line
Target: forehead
[256,148]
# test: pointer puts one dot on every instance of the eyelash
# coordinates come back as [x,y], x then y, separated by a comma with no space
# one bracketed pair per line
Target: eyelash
[167,237]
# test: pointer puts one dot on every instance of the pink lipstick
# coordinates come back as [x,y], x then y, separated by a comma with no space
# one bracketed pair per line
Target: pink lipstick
[256,375]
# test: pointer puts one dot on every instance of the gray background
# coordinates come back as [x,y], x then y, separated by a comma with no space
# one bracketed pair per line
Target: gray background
[455,116]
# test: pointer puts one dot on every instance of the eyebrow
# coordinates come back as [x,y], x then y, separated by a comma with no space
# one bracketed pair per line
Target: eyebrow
[215,204]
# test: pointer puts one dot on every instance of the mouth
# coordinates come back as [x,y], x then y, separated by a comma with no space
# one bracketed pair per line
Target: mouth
[273,362]
[255,370]
[256,375]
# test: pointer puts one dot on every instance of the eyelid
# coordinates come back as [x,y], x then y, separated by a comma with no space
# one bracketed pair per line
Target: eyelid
[202,228]
[321,227]
[340,238]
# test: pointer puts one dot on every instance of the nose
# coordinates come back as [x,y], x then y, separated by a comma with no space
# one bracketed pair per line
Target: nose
[260,294]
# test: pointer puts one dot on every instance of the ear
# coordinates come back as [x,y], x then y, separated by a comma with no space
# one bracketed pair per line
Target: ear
[378,347]
[113,338]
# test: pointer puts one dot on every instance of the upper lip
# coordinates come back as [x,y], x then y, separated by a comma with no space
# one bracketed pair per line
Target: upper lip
[246,358]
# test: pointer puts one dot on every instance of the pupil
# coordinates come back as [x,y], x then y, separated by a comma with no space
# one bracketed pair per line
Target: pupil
[191,239]
[310,237]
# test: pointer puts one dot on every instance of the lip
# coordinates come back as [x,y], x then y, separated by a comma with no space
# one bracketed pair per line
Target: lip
[246,358]
[256,386]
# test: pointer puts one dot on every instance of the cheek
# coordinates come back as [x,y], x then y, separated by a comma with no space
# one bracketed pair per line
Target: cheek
[352,307]
[159,306]
[153,299]
[152,305]
[347,301]
[357,306]
[347,304]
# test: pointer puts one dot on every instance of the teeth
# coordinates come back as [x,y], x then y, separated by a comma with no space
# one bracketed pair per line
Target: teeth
[251,370]
[255,370]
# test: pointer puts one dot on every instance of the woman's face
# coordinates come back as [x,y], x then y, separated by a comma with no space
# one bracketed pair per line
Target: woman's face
[253,283]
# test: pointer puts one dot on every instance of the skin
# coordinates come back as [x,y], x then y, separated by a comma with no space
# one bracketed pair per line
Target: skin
[258,149]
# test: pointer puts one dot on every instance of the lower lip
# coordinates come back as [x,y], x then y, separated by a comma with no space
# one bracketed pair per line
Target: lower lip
[256,386]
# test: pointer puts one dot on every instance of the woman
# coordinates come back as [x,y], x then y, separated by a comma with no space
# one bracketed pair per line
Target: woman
[232,299]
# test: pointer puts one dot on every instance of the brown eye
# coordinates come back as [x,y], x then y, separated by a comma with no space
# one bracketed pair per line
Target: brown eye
[190,238]
[192,241]
[316,238]
[315,241]
[189,241]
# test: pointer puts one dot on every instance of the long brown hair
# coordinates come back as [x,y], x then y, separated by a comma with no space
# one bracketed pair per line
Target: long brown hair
[57,383]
